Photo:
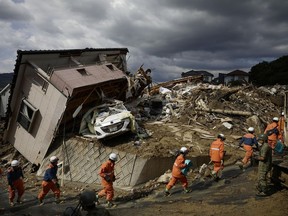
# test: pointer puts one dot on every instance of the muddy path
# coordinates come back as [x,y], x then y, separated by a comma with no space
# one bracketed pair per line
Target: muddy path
[234,194]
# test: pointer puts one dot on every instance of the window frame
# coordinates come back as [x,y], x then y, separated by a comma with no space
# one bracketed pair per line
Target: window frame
[26,120]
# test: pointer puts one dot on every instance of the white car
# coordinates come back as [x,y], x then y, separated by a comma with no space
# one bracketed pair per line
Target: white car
[108,119]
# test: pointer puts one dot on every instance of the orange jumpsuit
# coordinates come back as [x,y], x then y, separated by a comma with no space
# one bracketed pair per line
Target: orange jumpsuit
[249,140]
[281,128]
[217,154]
[272,139]
[177,175]
[14,177]
[108,177]
[50,182]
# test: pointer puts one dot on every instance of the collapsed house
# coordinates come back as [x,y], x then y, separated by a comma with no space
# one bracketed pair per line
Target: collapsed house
[52,90]
[49,86]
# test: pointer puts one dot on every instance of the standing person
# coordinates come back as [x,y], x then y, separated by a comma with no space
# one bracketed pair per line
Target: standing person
[265,165]
[15,181]
[217,155]
[50,181]
[282,127]
[272,131]
[177,174]
[108,177]
[249,141]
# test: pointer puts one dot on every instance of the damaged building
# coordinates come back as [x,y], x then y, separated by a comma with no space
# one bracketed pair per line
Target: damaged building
[47,88]
[52,90]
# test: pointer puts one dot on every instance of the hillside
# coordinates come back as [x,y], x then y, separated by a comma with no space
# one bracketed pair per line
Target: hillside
[5,79]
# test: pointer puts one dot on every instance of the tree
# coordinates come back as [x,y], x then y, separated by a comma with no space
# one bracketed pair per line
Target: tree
[275,72]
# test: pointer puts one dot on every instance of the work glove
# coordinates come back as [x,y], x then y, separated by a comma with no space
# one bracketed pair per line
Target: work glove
[107,178]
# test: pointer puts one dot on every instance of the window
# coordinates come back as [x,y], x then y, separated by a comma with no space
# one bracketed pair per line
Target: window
[83,71]
[26,115]
[110,67]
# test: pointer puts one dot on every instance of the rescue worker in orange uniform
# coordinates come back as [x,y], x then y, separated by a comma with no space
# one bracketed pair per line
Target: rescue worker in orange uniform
[272,131]
[217,155]
[249,141]
[50,181]
[15,181]
[177,175]
[108,177]
[282,127]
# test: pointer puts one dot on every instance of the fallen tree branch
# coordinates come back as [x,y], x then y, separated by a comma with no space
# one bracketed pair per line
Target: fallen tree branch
[233,112]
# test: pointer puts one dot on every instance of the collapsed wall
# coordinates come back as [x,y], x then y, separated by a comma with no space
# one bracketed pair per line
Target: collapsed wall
[82,160]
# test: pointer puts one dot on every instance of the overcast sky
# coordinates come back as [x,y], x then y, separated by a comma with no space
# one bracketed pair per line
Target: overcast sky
[168,36]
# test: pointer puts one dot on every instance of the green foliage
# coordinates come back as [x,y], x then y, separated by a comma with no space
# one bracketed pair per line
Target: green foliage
[275,72]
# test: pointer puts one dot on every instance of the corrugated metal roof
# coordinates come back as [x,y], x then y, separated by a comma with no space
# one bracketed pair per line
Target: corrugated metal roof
[73,78]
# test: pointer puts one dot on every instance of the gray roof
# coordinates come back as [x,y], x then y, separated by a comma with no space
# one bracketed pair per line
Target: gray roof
[238,73]
[196,73]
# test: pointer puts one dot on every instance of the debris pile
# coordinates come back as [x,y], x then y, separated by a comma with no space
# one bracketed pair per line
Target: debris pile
[192,114]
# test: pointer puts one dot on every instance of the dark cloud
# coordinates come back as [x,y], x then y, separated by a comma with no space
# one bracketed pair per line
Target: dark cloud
[166,35]
[12,11]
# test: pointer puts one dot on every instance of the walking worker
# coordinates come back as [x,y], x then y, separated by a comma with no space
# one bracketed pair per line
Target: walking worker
[217,155]
[177,174]
[265,164]
[108,177]
[249,141]
[282,127]
[50,181]
[272,131]
[15,181]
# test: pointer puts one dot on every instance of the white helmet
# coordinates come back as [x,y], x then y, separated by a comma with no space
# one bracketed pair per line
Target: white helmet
[251,129]
[113,157]
[275,119]
[221,136]
[282,113]
[183,150]
[53,159]
[15,163]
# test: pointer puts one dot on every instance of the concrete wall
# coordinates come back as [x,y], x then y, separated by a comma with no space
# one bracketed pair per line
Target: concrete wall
[82,161]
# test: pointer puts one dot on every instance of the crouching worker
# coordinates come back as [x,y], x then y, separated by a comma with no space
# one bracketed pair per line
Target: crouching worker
[177,174]
[108,177]
[15,182]
[217,156]
[265,164]
[50,181]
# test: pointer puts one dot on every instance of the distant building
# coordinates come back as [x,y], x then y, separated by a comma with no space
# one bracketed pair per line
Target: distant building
[4,96]
[207,77]
[236,75]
